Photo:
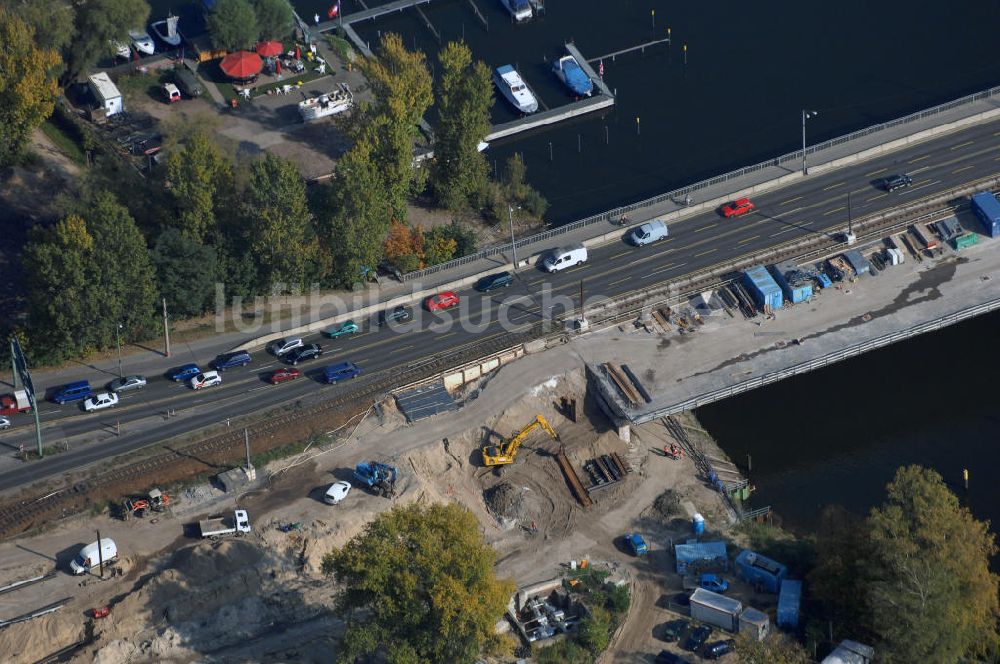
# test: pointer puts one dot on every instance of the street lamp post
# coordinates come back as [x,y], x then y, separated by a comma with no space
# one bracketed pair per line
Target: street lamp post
[118,337]
[805,116]
[513,246]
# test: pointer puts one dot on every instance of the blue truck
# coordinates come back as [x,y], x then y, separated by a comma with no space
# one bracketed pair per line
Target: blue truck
[380,478]
[636,544]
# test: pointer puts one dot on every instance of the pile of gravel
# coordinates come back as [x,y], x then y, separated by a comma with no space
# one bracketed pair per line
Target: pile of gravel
[504,501]
[667,505]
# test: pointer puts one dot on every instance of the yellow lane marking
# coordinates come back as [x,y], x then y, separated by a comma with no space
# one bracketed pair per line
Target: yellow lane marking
[618,281]
[963,168]
[705,228]
[961,145]
[704,253]
[400,349]
[913,161]
[834,210]
[875,198]
[619,255]
[791,200]
[748,239]
[834,186]
[881,170]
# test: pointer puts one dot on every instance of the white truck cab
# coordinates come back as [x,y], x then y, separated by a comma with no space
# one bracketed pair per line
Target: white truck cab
[91,556]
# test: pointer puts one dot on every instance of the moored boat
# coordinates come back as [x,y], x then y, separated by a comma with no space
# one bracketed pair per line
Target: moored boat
[332,103]
[142,41]
[569,71]
[520,10]
[166,30]
[514,89]
[121,50]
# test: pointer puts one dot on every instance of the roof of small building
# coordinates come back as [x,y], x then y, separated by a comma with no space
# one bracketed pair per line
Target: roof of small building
[752,615]
[104,86]
[716,601]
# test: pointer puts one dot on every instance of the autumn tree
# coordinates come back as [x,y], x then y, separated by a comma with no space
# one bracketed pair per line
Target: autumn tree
[232,25]
[52,20]
[277,218]
[404,246]
[401,90]
[438,245]
[274,18]
[197,174]
[840,577]
[27,85]
[99,22]
[464,96]
[418,585]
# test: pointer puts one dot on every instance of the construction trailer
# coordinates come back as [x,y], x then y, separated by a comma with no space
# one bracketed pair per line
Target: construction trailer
[106,94]
[700,557]
[715,609]
[795,282]
[763,288]
[987,208]
[755,623]
[759,571]
[789,600]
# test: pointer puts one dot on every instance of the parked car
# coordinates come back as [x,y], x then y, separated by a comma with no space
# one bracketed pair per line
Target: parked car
[347,327]
[337,492]
[636,544]
[284,375]
[714,582]
[717,649]
[398,314]
[72,392]
[4,423]
[493,282]
[894,182]
[207,379]
[338,372]
[282,346]
[443,300]
[127,383]
[737,208]
[184,373]
[696,638]
[674,630]
[309,352]
[187,81]
[100,401]
[171,93]
[225,361]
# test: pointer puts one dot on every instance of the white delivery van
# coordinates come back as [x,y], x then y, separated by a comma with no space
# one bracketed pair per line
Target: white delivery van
[88,558]
[649,232]
[564,257]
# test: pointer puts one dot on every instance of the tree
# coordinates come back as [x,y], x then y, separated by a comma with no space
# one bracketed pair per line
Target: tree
[56,266]
[99,22]
[438,246]
[196,174]
[274,18]
[776,649]
[421,586]
[51,19]
[464,98]
[121,274]
[401,89]
[278,220]
[232,25]
[27,87]
[185,272]
[932,595]
[595,630]
[404,246]
[840,578]
[464,237]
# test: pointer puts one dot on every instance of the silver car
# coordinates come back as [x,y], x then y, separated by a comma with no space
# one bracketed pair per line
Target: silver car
[127,383]
[4,423]
[283,346]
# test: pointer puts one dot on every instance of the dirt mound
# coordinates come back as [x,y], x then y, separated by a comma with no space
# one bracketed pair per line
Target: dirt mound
[204,563]
[504,501]
[667,505]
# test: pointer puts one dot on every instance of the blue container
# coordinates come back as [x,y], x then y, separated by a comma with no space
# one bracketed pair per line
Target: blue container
[762,286]
[763,573]
[698,524]
[987,208]
[796,284]
[788,603]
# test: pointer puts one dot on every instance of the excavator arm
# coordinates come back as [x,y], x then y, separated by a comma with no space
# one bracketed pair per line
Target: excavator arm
[506,452]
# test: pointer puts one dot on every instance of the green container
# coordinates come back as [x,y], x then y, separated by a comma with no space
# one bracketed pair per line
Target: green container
[965,240]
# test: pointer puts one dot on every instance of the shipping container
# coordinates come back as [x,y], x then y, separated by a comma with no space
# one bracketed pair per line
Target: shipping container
[794,281]
[987,208]
[789,600]
[762,573]
[858,263]
[965,240]
[763,288]
[754,623]
[715,609]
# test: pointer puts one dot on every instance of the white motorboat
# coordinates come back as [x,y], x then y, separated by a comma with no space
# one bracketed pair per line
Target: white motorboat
[515,89]
[121,50]
[332,103]
[166,30]
[142,41]
[520,10]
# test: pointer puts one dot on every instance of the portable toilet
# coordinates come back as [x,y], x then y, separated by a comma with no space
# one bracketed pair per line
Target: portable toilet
[698,524]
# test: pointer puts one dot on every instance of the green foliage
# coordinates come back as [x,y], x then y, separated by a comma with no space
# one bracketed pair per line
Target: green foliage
[438,246]
[839,579]
[232,25]
[274,18]
[277,220]
[197,173]
[52,20]
[464,237]
[776,649]
[423,580]
[595,630]
[617,599]
[401,89]
[464,97]
[186,272]
[563,652]
[932,594]
[27,86]
[514,190]
[98,22]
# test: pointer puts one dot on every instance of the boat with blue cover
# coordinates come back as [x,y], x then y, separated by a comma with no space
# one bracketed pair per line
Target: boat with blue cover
[569,71]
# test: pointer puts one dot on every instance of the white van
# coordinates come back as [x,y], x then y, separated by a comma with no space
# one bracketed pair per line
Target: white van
[88,559]
[564,257]
[649,232]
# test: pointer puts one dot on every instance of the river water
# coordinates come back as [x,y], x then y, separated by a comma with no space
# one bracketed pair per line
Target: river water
[836,435]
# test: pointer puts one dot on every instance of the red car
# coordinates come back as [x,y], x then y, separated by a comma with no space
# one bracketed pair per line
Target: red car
[444,300]
[283,375]
[737,208]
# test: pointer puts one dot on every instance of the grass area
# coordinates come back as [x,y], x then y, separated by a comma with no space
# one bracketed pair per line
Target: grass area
[341,46]
[264,458]
[66,136]
[138,85]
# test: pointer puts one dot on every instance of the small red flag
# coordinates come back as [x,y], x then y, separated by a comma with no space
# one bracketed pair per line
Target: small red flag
[600,70]
[334,11]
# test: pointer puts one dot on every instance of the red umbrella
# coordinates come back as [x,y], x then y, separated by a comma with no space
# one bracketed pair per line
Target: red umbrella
[298,56]
[270,49]
[241,65]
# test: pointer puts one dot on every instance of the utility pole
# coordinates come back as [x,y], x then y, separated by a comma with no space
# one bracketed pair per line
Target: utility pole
[805,116]
[118,338]
[850,218]
[166,330]
[13,364]
[100,554]
[513,245]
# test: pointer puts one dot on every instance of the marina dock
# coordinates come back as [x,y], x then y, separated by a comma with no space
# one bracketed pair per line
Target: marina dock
[582,107]
[367,14]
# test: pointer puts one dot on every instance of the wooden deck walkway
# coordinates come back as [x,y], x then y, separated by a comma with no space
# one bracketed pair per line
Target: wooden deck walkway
[367,14]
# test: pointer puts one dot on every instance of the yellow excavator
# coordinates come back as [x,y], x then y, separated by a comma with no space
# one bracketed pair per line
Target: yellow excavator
[506,452]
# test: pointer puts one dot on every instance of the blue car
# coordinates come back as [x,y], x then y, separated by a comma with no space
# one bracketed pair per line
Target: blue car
[185,372]
[338,372]
[230,360]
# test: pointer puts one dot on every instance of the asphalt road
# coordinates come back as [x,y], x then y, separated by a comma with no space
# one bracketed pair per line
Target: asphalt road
[814,205]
